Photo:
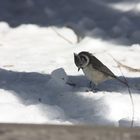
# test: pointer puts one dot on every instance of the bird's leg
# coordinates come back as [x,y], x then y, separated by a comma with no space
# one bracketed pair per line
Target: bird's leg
[93,87]
[90,84]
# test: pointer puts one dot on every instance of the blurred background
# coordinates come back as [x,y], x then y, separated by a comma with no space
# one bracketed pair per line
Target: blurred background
[108,19]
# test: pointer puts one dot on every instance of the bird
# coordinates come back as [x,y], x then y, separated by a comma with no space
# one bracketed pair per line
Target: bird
[93,68]
[97,72]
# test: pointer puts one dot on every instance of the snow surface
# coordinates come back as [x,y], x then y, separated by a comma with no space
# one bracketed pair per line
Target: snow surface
[39,82]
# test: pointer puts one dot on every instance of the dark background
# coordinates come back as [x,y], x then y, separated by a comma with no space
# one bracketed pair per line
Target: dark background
[81,15]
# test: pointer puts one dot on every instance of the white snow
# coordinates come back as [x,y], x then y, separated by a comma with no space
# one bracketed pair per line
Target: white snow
[39,82]
[126,6]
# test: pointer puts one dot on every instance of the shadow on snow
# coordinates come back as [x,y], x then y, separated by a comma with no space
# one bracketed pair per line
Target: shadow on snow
[34,88]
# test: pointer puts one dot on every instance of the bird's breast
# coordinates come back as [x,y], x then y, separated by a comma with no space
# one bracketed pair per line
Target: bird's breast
[94,75]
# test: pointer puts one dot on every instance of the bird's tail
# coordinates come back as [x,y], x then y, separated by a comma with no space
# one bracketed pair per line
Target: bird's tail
[120,80]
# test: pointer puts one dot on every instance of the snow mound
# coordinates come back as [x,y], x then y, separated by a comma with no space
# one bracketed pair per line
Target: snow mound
[39,82]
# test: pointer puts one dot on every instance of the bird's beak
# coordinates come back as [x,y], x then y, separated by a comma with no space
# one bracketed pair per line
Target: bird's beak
[79,69]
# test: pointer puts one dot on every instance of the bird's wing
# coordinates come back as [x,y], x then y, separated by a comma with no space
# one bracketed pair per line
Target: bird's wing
[98,65]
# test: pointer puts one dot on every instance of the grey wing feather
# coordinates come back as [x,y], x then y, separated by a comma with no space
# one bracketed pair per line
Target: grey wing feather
[98,65]
[101,67]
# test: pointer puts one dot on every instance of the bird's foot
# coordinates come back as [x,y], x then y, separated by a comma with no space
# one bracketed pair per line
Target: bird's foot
[93,87]
[95,90]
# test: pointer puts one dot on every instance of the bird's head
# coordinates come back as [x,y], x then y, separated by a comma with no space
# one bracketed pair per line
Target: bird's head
[81,60]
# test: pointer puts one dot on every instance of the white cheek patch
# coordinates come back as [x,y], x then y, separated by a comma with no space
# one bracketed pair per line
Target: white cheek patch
[85,62]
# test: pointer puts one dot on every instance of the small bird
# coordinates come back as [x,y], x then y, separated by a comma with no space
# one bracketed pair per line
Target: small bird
[97,72]
[93,68]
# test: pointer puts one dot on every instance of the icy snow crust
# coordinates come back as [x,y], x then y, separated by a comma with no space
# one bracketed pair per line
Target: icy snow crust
[39,82]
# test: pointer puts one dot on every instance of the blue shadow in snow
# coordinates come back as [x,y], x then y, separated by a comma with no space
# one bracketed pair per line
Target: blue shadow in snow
[34,88]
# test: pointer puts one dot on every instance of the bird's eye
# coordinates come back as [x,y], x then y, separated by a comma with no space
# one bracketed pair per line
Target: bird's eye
[83,59]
